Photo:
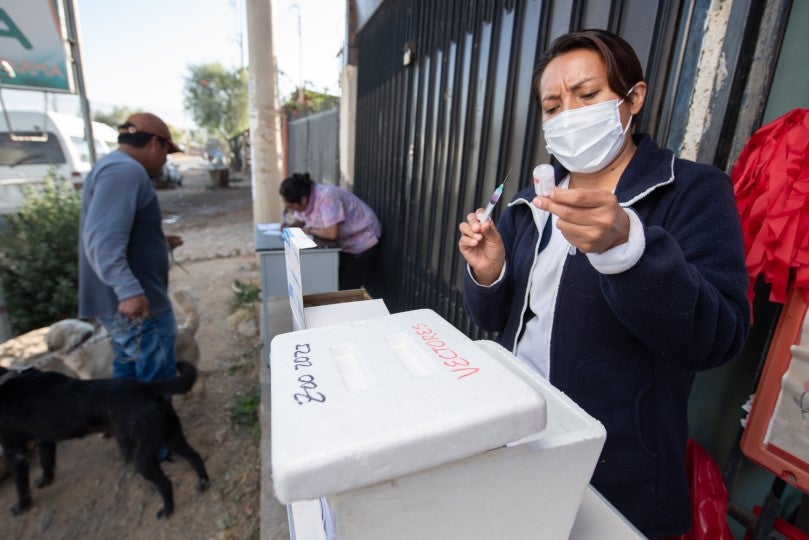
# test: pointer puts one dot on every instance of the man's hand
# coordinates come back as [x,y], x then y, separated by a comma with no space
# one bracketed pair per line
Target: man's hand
[137,306]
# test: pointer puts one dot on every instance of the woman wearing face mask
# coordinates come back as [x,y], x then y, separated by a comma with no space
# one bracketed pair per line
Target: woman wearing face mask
[620,284]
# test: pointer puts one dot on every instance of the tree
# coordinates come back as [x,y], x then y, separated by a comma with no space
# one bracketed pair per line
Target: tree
[114,117]
[197,137]
[217,100]
[303,102]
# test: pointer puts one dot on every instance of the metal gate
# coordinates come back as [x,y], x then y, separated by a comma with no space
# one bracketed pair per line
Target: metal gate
[436,136]
[314,146]
[445,109]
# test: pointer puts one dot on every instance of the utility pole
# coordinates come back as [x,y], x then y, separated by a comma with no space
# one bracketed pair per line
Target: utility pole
[348,99]
[239,38]
[72,27]
[266,145]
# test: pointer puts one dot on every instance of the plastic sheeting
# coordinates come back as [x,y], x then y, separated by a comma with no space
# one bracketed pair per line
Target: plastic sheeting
[771,183]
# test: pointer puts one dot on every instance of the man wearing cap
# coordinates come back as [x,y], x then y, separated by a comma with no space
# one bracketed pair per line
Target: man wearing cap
[124,255]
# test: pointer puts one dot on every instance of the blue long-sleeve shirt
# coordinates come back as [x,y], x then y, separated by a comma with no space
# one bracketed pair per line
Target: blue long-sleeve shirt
[122,249]
[625,346]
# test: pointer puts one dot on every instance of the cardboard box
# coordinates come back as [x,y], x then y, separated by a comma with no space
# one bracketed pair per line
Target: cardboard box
[405,428]
[339,307]
[322,308]
[336,297]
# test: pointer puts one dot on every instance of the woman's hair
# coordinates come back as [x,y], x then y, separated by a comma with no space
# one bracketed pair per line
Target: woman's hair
[296,187]
[621,62]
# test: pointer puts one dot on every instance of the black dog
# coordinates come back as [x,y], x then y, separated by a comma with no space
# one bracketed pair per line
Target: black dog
[46,407]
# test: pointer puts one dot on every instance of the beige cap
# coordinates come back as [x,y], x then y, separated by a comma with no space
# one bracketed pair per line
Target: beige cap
[144,122]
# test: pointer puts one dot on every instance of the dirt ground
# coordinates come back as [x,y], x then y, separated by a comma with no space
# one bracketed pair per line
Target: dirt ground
[97,495]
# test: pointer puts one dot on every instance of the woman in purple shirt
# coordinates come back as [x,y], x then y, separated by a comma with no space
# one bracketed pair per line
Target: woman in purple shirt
[334,214]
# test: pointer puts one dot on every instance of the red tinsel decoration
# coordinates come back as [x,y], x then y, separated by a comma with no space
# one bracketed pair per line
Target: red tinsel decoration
[771,183]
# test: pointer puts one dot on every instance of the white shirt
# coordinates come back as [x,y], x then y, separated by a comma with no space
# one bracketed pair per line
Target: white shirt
[534,347]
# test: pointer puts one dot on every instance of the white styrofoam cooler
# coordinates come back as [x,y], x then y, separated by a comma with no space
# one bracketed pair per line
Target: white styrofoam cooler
[408,429]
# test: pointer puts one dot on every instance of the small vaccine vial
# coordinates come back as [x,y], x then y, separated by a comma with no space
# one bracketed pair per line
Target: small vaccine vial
[543,180]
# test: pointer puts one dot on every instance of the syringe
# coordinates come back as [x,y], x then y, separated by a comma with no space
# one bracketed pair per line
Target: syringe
[487,213]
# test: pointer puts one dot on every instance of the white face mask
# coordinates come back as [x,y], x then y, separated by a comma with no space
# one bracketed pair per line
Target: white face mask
[586,139]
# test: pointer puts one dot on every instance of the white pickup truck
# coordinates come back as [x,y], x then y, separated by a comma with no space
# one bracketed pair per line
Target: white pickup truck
[34,142]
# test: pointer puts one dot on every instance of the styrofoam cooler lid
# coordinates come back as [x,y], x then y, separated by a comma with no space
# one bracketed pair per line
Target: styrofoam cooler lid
[363,402]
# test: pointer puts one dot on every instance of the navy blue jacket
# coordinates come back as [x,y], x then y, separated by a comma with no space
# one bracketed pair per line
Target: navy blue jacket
[625,346]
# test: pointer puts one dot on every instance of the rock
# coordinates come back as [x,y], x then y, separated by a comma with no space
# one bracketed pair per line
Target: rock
[248,328]
[244,321]
[24,346]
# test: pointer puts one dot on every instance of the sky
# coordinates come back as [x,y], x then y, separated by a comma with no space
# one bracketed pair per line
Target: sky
[136,54]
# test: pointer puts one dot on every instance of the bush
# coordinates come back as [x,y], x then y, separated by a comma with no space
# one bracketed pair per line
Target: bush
[244,412]
[244,295]
[38,256]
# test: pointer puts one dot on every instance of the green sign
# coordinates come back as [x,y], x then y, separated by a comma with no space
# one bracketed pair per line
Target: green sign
[33,50]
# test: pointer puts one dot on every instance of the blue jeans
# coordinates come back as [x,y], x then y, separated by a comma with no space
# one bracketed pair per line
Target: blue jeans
[144,348]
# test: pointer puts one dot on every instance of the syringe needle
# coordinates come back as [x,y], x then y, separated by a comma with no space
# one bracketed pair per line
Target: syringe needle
[487,213]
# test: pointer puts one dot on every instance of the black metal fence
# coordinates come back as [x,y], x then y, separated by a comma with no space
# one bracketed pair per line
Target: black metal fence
[445,109]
